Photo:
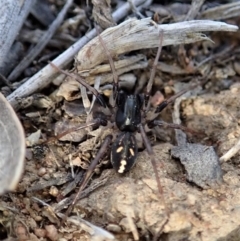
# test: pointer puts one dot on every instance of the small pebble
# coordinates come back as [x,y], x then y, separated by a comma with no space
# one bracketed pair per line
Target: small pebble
[191,199]
[53,191]
[236,66]
[38,218]
[21,233]
[51,232]
[41,233]
[125,225]
[42,171]
[114,228]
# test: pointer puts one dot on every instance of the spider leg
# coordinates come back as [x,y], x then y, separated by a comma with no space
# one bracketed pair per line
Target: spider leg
[164,124]
[89,173]
[95,122]
[114,72]
[154,164]
[153,71]
[82,82]
[165,103]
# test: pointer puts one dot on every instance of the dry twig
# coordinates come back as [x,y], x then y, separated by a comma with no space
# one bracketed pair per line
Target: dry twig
[43,41]
[233,151]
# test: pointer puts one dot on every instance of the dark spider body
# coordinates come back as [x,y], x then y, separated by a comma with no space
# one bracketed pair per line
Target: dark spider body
[128,117]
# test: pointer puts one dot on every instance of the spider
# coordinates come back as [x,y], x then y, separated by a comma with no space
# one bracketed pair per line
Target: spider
[130,112]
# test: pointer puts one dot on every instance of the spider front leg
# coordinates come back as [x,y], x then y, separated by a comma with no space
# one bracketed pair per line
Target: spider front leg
[99,119]
[95,123]
[82,82]
[89,173]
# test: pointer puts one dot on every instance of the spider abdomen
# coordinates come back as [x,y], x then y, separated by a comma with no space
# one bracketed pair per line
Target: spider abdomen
[124,152]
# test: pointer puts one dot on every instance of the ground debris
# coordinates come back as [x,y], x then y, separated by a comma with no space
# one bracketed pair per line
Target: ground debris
[127,207]
[201,164]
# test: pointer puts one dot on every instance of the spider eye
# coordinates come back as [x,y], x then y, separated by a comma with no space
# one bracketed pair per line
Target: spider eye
[124,152]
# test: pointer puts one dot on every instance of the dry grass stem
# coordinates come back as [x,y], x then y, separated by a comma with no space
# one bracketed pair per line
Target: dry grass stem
[43,41]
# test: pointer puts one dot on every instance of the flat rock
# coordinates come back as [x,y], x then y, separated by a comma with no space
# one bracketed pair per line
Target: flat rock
[201,164]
